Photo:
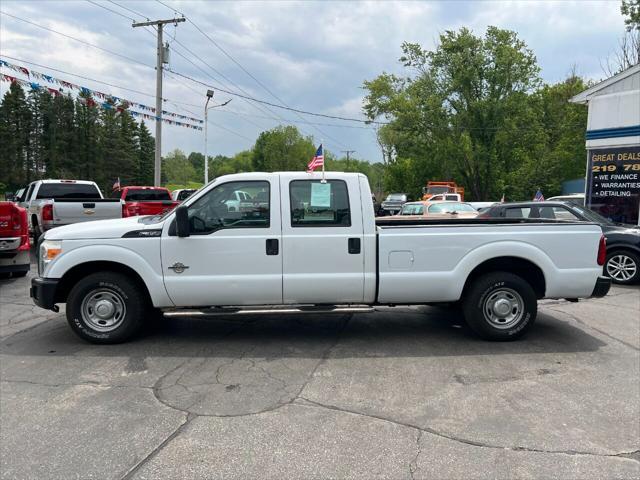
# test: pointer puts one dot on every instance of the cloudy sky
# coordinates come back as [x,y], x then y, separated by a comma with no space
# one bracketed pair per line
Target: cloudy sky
[308,55]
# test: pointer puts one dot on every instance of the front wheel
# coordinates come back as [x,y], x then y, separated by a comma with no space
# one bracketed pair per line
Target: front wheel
[106,307]
[623,267]
[500,306]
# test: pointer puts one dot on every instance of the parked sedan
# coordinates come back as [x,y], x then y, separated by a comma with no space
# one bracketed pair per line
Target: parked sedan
[438,209]
[623,241]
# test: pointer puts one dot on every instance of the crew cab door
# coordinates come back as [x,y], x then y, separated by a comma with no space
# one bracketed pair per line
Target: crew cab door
[233,256]
[322,243]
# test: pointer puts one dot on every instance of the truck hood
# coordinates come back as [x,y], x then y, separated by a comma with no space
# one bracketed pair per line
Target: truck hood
[98,229]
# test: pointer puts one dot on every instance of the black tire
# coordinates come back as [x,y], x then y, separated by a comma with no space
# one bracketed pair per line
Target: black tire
[22,273]
[623,267]
[480,306]
[127,299]
[36,231]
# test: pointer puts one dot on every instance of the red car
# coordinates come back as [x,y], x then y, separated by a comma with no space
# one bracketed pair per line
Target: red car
[14,240]
[144,200]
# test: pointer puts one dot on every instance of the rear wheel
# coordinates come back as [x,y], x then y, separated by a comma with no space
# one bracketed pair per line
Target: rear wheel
[106,307]
[623,267]
[500,306]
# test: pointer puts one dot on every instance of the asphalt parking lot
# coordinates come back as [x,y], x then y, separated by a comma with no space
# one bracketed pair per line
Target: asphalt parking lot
[400,393]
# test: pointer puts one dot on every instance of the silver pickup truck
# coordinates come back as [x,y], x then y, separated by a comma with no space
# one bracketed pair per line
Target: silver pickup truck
[53,203]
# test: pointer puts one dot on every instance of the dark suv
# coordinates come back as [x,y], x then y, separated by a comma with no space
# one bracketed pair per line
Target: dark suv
[623,241]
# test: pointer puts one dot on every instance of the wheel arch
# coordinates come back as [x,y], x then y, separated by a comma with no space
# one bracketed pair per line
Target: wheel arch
[524,268]
[74,274]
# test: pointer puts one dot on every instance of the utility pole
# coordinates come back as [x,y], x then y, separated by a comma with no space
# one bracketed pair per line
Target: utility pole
[348,153]
[162,57]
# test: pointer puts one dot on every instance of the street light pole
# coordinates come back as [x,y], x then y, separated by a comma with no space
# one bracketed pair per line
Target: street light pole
[206,123]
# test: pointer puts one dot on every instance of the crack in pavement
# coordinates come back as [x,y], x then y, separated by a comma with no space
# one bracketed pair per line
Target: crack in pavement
[157,388]
[413,465]
[80,384]
[310,403]
[129,475]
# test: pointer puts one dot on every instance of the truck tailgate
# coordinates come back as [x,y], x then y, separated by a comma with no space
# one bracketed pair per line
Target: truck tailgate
[67,211]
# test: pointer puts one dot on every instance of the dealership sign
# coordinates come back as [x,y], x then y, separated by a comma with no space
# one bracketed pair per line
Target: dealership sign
[613,187]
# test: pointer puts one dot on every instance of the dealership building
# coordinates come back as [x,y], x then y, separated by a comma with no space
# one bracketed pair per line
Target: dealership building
[612,182]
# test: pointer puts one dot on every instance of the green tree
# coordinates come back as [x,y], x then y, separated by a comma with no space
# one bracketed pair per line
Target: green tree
[146,156]
[16,167]
[282,148]
[631,10]
[446,117]
[86,137]
[179,170]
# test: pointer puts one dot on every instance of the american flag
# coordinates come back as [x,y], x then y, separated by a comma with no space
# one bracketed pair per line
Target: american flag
[317,160]
[539,197]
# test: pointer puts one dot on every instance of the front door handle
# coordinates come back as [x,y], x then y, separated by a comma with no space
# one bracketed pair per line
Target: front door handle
[272,246]
[354,246]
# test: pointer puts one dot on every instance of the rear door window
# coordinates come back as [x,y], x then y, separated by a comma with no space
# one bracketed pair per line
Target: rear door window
[318,204]
[147,195]
[518,212]
[68,190]
[558,213]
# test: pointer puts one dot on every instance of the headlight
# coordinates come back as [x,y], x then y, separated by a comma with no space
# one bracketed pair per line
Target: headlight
[49,249]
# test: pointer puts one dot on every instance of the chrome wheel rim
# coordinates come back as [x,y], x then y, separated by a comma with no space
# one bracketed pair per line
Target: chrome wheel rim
[503,308]
[621,267]
[103,309]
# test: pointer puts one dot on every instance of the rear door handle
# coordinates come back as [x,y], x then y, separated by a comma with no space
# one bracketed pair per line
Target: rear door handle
[272,246]
[354,246]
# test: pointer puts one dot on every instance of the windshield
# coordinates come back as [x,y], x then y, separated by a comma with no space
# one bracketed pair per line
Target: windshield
[68,190]
[184,194]
[446,207]
[412,209]
[147,195]
[437,190]
[592,216]
[401,197]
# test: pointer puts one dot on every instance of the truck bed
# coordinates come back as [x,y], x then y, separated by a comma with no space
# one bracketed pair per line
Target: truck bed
[434,258]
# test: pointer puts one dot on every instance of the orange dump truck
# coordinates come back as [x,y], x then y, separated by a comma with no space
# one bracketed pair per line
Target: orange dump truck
[440,188]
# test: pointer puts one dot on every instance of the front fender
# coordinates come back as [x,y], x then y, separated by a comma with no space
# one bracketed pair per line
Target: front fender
[117,254]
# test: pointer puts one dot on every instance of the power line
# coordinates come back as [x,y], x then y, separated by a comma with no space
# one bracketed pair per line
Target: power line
[305,112]
[77,40]
[110,10]
[228,55]
[229,92]
[129,10]
[305,122]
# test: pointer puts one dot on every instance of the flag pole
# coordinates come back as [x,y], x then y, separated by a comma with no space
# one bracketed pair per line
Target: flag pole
[323,160]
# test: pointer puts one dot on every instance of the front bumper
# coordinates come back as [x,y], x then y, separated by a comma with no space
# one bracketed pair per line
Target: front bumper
[43,292]
[603,284]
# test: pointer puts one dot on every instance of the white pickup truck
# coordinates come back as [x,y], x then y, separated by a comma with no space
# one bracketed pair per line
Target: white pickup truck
[304,245]
[52,203]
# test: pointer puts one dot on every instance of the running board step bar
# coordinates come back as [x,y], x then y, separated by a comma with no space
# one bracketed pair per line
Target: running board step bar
[298,310]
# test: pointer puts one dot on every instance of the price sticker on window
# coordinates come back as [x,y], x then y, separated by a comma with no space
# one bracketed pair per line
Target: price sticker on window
[320,195]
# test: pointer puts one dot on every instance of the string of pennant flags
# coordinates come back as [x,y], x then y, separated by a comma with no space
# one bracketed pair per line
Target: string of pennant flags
[109,100]
[92,103]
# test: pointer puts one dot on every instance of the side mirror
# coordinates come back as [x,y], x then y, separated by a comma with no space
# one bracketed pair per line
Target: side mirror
[182,221]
